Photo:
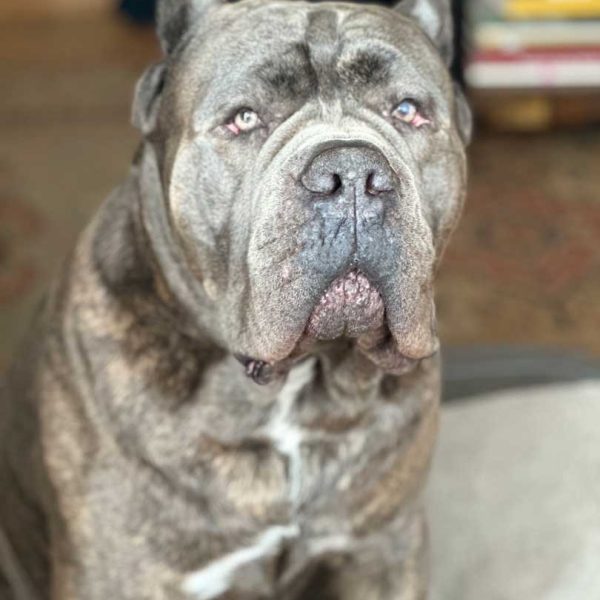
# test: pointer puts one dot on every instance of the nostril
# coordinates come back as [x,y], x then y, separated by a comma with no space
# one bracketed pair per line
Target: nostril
[336,183]
[322,182]
[377,183]
[370,185]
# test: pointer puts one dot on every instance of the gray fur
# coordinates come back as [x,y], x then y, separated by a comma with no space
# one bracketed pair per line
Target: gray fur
[133,440]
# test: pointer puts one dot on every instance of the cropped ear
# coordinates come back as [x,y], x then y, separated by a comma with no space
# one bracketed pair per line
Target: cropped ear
[464,116]
[146,101]
[174,17]
[435,19]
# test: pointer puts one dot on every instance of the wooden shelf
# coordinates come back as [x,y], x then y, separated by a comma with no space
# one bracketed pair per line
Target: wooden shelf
[536,110]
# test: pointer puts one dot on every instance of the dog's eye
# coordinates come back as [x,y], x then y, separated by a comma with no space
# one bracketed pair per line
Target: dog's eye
[244,121]
[408,112]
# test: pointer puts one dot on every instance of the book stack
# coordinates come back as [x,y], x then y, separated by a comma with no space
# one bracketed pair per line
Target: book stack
[534,44]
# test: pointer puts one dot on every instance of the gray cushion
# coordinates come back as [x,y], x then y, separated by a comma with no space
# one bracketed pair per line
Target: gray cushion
[514,498]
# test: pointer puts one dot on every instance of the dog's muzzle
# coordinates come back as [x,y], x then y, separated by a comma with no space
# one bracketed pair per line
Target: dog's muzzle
[351,187]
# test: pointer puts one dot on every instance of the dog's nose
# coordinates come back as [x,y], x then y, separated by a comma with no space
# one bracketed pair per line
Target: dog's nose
[336,170]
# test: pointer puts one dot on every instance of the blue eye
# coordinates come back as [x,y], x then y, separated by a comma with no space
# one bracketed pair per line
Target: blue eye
[406,111]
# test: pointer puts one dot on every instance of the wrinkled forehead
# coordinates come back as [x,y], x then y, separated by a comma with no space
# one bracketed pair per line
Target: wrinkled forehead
[281,45]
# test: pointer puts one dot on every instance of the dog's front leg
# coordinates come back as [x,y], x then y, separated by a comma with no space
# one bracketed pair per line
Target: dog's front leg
[132,572]
[248,573]
[395,572]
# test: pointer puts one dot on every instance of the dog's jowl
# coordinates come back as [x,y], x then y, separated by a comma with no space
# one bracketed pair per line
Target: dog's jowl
[232,389]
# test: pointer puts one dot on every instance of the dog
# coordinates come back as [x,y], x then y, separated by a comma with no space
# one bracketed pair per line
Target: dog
[232,389]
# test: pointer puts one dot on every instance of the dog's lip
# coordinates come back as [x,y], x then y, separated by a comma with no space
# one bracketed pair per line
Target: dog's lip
[377,340]
[349,307]
[382,349]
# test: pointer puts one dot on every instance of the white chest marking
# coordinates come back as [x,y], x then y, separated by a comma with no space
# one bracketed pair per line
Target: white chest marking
[284,433]
[218,576]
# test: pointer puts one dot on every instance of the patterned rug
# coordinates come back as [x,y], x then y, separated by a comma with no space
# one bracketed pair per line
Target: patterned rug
[524,266]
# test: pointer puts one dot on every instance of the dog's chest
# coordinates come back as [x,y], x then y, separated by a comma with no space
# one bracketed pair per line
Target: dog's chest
[318,464]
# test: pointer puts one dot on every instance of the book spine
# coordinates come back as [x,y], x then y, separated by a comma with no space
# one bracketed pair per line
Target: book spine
[536,34]
[541,55]
[533,74]
[552,9]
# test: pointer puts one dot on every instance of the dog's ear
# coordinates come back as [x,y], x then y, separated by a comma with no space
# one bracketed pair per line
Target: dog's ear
[173,20]
[174,17]
[435,19]
[464,116]
[146,101]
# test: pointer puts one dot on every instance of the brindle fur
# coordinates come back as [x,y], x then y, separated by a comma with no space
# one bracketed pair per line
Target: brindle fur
[134,448]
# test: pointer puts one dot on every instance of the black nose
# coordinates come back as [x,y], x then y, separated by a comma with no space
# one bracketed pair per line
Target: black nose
[335,170]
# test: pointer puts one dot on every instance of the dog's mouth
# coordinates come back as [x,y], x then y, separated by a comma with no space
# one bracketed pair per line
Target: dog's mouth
[350,307]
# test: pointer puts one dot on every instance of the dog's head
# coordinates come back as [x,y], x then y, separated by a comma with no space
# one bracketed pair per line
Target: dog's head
[311,166]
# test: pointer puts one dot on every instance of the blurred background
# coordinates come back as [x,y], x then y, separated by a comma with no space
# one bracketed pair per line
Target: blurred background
[519,291]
